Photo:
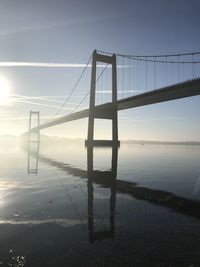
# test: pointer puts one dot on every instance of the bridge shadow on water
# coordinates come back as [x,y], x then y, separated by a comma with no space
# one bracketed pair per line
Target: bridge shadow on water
[153,236]
[108,179]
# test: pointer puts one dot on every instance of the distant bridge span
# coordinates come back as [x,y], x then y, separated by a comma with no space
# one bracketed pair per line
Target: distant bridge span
[177,91]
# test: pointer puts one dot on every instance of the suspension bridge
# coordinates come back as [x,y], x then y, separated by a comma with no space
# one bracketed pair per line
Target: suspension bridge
[113,82]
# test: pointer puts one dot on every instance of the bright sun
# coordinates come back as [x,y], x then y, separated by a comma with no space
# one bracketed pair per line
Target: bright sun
[4,91]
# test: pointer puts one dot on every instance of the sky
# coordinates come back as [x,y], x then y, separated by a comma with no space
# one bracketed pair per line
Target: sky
[67,32]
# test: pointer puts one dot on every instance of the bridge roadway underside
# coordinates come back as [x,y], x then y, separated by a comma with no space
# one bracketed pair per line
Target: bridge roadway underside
[177,91]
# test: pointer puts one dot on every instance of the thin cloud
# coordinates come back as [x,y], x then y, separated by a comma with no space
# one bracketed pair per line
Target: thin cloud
[39,104]
[61,23]
[9,118]
[21,97]
[31,28]
[52,65]
[41,64]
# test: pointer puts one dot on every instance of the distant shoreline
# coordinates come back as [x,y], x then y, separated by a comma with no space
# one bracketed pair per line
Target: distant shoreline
[146,142]
[45,138]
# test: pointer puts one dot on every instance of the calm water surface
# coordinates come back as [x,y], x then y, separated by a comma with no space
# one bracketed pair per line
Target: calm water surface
[64,210]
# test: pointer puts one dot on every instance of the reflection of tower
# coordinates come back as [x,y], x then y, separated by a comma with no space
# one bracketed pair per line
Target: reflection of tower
[107,178]
[33,156]
[33,142]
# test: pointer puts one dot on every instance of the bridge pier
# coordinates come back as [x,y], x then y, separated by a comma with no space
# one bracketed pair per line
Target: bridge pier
[110,113]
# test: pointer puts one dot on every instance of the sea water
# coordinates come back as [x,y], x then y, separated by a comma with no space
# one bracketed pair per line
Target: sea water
[137,206]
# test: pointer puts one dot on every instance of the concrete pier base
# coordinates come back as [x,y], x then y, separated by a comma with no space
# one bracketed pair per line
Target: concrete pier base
[102,143]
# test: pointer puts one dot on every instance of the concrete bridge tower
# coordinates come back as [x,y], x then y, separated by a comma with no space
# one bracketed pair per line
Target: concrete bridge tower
[107,111]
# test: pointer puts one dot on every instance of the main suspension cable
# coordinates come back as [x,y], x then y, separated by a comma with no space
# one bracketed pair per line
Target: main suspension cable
[73,89]
[88,91]
[152,56]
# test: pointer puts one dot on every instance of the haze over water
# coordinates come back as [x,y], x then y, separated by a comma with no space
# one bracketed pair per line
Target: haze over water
[66,213]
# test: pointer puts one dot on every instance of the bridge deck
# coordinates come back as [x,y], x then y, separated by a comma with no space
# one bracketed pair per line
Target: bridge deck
[177,91]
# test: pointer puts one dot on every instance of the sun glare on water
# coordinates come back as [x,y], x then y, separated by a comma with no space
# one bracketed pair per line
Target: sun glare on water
[4,91]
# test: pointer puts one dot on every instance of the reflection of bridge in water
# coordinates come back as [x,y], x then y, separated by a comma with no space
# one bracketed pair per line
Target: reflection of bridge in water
[108,179]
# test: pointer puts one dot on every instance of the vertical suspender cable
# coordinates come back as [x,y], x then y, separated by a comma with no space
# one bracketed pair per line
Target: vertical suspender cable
[155,74]
[146,75]
[193,66]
